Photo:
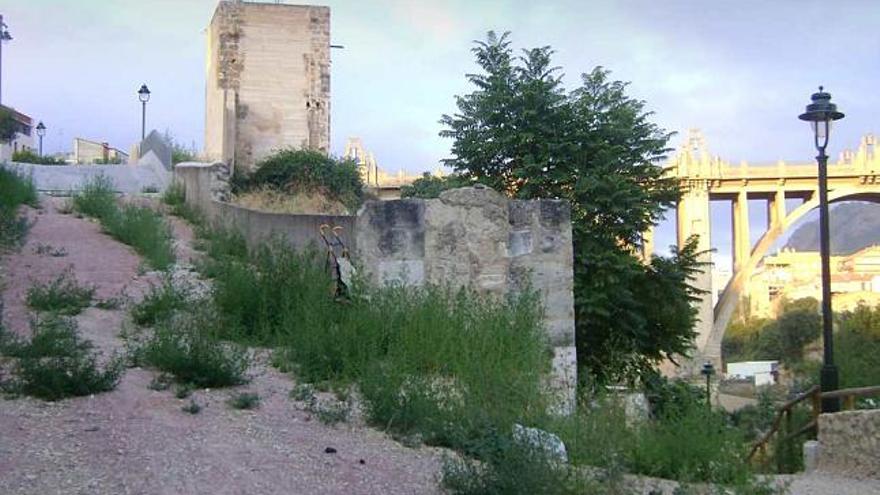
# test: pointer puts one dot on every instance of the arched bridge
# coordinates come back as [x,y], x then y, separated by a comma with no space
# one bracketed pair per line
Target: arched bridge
[855,176]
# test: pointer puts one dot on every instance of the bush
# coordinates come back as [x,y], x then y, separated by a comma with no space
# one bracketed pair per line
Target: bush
[141,228]
[144,230]
[185,348]
[97,198]
[63,295]
[160,303]
[245,400]
[430,186]
[56,363]
[307,171]
[15,190]
[28,156]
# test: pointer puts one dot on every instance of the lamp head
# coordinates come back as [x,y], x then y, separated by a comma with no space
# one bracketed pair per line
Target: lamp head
[144,93]
[41,129]
[820,113]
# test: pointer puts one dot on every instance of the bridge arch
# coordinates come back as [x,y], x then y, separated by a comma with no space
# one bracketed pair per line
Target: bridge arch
[730,296]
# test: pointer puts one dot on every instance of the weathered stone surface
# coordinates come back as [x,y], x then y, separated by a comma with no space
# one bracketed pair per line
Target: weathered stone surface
[268,81]
[476,237]
[849,443]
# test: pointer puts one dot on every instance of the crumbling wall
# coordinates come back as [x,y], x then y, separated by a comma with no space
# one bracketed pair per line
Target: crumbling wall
[476,237]
[469,237]
[849,443]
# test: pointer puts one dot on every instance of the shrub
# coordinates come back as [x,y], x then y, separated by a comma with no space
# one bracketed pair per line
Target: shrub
[184,348]
[141,228]
[430,186]
[15,190]
[192,408]
[97,198]
[307,171]
[245,400]
[160,303]
[63,295]
[28,156]
[144,230]
[56,363]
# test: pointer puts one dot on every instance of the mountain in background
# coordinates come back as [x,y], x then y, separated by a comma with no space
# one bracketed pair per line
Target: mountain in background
[854,226]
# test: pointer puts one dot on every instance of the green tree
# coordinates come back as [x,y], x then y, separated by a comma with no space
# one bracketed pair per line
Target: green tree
[521,133]
[430,186]
[8,125]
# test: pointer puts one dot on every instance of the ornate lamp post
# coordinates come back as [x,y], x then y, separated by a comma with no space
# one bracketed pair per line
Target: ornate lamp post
[144,96]
[41,131]
[4,37]
[707,371]
[820,114]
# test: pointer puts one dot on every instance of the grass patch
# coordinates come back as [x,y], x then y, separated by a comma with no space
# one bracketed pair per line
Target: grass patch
[245,400]
[192,408]
[160,303]
[63,295]
[15,190]
[57,363]
[141,228]
[185,348]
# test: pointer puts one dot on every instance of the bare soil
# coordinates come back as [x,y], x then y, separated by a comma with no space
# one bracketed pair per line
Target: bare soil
[134,440]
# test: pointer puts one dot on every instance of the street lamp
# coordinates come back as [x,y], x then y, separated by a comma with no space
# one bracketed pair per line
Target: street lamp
[707,371]
[4,37]
[820,114]
[144,96]
[41,131]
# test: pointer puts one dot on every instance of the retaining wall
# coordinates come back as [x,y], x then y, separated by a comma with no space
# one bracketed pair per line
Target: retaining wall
[128,179]
[849,443]
[468,237]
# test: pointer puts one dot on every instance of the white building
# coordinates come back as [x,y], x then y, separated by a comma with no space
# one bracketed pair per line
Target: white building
[23,139]
[761,372]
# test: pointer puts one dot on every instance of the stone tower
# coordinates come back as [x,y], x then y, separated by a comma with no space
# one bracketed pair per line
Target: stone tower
[268,80]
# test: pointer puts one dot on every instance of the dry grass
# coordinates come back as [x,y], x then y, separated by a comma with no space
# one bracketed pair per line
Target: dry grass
[274,201]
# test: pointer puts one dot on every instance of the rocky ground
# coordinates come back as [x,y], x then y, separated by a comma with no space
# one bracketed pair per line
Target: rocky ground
[135,440]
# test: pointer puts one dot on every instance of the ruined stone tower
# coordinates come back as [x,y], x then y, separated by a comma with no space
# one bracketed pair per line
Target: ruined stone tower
[268,80]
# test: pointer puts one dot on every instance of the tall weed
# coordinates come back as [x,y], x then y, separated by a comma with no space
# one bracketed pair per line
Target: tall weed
[57,363]
[15,190]
[63,295]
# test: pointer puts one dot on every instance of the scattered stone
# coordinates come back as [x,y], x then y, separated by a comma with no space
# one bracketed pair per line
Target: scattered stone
[361,461]
[329,450]
[93,428]
[542,440]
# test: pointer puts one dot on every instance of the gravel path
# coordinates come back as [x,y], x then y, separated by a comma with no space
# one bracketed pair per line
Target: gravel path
[134,440]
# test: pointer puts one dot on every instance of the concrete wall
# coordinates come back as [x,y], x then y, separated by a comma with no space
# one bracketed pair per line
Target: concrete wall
[129,179]
[268,80]
[207,188]
[849,443]
[479,238]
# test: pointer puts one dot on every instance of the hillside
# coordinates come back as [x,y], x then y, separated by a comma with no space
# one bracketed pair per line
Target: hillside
[854,226]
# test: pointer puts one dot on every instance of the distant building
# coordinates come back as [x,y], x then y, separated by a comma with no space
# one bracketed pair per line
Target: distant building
[792,275]
[761,372]
[384,184]
[23,140]
[268,81]
[90,152]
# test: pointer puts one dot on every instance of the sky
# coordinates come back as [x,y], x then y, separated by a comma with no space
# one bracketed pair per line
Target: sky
[740,70]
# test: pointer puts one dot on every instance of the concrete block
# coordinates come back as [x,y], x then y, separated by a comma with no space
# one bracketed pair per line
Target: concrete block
[811,455]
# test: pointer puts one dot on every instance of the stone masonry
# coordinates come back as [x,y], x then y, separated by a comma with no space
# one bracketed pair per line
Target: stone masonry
[849,443]
[268,80]
[476,237]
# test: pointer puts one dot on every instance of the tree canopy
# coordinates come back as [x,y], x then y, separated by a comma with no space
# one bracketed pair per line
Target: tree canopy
[8,126]
[521,133]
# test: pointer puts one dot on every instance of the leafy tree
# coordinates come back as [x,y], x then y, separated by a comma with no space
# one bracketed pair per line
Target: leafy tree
[8,126]
[522,133]
[430,186]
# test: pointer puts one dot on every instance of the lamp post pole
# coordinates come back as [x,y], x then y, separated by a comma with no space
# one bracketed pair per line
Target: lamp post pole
[41,131]
[821,113]
[4,37]
[144,97]
[707,371]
